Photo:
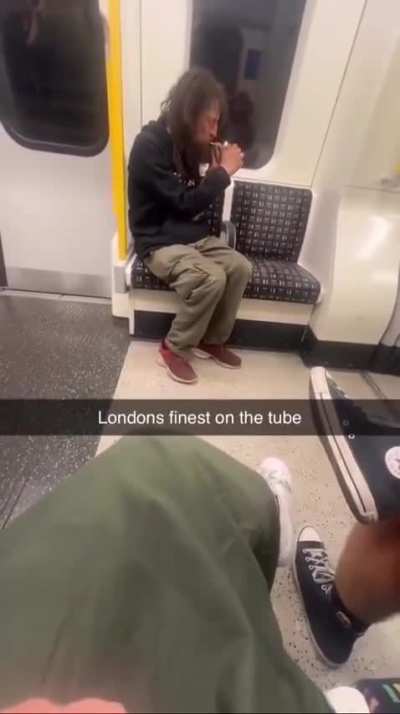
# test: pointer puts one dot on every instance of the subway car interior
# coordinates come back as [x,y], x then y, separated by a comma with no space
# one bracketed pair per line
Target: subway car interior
[314,104]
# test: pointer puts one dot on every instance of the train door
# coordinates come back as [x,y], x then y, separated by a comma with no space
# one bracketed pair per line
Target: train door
[56,218]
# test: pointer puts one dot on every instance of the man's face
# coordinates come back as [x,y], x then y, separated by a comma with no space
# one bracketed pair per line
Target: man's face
[206,128]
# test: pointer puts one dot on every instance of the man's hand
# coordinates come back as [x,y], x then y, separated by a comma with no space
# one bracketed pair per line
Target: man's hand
[231,158]
[216,152]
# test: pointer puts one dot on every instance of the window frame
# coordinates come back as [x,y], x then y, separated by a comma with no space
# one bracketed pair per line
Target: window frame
[264,157]
[66,148]
[59,148]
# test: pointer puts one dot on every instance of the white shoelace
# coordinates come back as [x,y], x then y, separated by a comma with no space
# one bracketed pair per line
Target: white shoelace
[321,571]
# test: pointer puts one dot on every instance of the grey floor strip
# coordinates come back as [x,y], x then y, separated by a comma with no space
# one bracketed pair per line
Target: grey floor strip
[52,349]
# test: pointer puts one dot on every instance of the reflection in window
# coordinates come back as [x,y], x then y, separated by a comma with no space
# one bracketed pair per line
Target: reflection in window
[52,74]
[250,47]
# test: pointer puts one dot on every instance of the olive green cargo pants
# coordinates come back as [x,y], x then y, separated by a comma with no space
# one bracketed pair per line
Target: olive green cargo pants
[145,579]
[210,279]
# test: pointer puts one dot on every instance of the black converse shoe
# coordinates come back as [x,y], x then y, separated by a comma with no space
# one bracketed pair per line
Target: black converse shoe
[331,630]
[365,454]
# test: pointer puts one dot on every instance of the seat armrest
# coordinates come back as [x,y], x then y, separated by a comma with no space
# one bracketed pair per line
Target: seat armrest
[129,268]
[228,231]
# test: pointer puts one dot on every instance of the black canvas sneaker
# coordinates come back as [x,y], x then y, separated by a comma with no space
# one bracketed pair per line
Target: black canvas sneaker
[365,454]
[331,630]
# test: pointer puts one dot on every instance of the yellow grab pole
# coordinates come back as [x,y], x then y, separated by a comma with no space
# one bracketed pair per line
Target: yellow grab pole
[116,122]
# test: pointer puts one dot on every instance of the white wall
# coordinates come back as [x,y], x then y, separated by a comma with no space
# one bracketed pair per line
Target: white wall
[352,241]
[381,157]
[165,42]
[131,63]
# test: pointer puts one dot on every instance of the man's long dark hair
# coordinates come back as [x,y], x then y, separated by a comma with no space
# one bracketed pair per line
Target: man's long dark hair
[195,91]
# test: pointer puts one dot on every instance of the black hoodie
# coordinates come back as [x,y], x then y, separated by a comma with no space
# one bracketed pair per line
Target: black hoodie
[164,209]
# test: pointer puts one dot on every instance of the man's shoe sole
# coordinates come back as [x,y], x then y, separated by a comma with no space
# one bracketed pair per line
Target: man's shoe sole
[206,355]
[161,361]
[351,479]
[200,354]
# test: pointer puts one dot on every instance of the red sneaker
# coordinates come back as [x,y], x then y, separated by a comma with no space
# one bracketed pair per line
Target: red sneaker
[177,367]
[220,354]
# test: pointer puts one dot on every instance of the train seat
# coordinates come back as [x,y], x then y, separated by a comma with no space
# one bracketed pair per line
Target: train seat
[282,281]
[143,279]
[270,223]
[271,280]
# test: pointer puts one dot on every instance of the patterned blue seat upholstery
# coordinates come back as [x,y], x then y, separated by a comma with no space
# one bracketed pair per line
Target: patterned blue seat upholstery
[270,226]
[281,280]
[142,278]
[270,220]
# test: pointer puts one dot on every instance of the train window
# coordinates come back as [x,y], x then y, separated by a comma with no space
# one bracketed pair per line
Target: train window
[250,47]
[53,93]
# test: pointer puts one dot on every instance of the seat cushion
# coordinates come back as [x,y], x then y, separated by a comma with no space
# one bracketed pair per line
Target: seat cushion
[270,220]
[280,280]
[143,279]
[271,280]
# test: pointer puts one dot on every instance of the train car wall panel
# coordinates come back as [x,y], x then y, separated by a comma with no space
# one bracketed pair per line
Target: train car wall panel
[352,242]
[131,64]
[323,48]
[56,216]
[56,220]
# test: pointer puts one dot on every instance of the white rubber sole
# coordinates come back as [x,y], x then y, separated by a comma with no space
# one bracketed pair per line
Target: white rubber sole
[325,660]
[351,479]
[205,355]
[162,363]
[200,354]
[282,489]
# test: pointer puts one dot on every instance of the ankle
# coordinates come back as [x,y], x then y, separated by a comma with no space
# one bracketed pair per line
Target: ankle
[277,476]
[166,347]
[345,616]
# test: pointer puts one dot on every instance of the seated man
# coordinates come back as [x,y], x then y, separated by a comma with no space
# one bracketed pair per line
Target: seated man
[167,209]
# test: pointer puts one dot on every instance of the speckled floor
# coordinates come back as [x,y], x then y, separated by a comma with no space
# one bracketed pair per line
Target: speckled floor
[52,349]
[318,499]
[68,348]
